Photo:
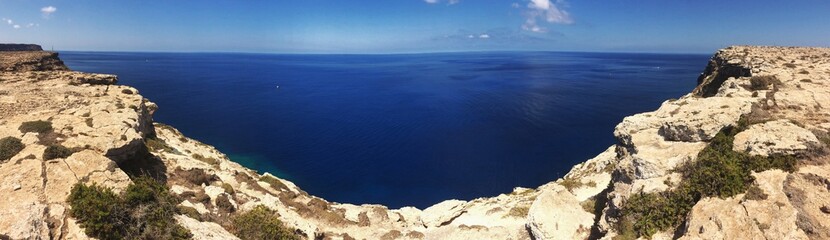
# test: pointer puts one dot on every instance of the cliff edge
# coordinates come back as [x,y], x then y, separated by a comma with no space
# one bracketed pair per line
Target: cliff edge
[28,57]
[742,156]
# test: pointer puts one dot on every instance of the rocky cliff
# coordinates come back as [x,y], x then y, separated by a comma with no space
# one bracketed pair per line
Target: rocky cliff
[26,57]
[742,156]
[20,47]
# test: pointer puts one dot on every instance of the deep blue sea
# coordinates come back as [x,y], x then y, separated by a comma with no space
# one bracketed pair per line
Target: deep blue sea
[402,130]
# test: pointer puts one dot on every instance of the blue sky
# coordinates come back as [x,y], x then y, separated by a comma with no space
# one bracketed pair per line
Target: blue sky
[390,26]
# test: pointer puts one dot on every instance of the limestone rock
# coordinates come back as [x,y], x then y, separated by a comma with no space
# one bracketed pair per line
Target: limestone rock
[772,217]
[775,137]
[20,47]
[556,214]
[442,213]
[204,230]
[26,60]
[593,175]
[700,120]
[95,79]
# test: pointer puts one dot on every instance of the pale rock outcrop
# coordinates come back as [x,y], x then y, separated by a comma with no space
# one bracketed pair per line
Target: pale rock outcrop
[204,230]
[557,214]
[20,61]
[442,213]
[775,137]
[94,79]
[770,217]
[34,206]
[808,191]
[593,175]
[653,144]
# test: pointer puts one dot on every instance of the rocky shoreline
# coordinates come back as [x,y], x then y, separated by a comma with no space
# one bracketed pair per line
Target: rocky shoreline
[780,90]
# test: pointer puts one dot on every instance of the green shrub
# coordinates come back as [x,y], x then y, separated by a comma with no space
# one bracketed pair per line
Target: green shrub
[224,203]
[260,223]
[155,145]
[36,126]
[823,137]
[189,212]
[589,205]
[99,211]
[145,210]
[755,193]
[718,172]
[56,151]
[196,176]
[211,161]
[201,197]
[274,182]
[519,212]
[228,188]
[570,183]
[10,146]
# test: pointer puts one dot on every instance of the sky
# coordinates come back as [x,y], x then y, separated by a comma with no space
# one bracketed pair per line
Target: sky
[412,26]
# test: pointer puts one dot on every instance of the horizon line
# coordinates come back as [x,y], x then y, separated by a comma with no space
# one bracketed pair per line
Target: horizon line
[393,53]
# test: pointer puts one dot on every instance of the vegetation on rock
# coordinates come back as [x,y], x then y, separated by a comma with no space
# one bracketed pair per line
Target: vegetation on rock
[260,223]
[56,151]
[274,182]
[144,210]
[519,212]
[571,183]
[189,212]
[196,176]
[208,160]
[228,188]
[224,204]
[10,146]
[36,126]
[718,172]
[155,145]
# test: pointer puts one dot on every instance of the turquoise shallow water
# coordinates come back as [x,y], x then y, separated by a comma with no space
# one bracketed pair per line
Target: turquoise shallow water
[402,130]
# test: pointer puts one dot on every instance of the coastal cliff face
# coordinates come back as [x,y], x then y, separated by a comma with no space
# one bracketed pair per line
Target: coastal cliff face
[22,61]
[20,47]
[775,98]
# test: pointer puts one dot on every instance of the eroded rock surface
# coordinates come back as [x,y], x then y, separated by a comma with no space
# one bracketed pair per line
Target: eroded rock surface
[30,61]
[780,94]
[780,137]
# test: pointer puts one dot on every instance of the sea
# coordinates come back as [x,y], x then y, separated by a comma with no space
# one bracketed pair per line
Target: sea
[402,129]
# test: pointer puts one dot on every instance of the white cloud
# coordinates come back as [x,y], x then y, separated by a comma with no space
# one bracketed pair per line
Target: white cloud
[8,21]
[540,4]
[48,10]
[547,11]
[16,26]
[484,36]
